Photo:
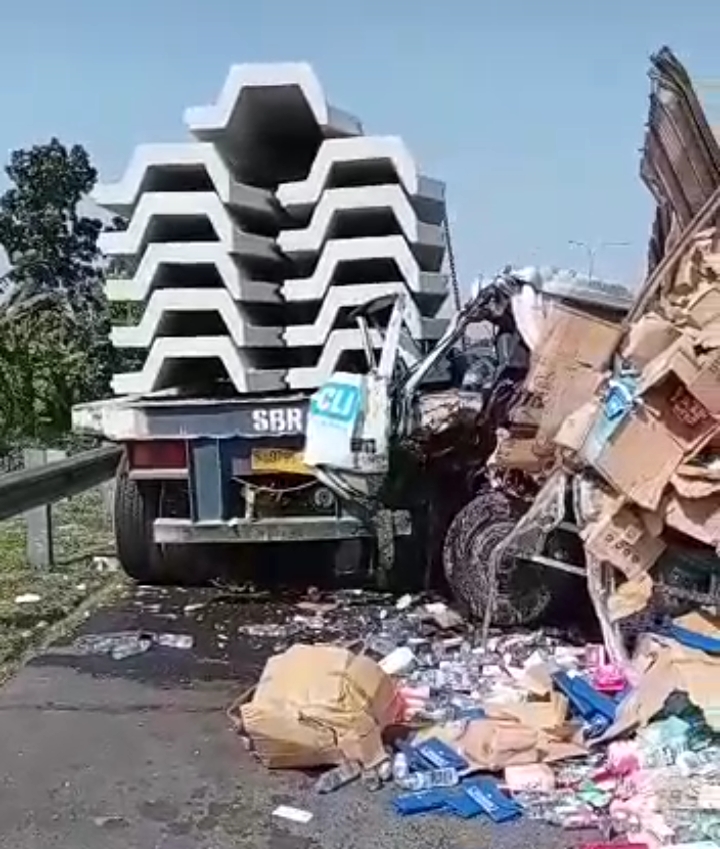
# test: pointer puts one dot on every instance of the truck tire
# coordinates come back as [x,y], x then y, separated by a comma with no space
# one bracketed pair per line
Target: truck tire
[524,591]
[135,509]
[487,507]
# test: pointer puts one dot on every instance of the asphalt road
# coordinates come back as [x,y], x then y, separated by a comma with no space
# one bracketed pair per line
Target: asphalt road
[139,753]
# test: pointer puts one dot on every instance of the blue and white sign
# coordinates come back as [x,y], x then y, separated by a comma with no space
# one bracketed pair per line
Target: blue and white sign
[337,401]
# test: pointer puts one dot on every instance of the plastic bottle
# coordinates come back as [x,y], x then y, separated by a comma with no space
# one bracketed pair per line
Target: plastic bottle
[338,777]
[385,770]
[400,767]
[175,641]
[130,646]
[699,761]
[371,780]
[429,780]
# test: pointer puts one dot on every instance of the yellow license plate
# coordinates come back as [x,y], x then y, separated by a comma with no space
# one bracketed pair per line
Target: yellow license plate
[266,460]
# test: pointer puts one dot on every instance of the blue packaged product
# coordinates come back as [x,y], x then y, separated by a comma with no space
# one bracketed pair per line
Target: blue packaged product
[439,755]
[419,803]
[491,801]
[462,805]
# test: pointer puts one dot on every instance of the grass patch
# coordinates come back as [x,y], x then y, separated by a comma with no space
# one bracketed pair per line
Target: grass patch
[81,531]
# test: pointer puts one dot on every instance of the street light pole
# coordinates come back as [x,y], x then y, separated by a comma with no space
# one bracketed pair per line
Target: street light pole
[592,251]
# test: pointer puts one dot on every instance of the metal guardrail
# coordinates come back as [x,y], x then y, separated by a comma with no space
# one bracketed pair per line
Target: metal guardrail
[24,490]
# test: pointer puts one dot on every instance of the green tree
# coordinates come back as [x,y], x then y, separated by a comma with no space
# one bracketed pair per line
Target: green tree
[54,319]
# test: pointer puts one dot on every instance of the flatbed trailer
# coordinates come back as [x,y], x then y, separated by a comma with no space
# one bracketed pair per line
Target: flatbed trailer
[217,470]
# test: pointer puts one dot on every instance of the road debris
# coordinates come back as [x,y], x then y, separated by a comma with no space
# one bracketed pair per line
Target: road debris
[287,812]
[124,644]
[527,724]
[28,598]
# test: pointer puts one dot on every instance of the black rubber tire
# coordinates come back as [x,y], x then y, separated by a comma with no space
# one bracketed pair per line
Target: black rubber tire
[523,596]
[351,558]
[525,591]
[136,507]
[487,507]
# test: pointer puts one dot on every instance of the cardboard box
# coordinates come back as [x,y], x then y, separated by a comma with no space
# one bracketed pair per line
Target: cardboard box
[663,669]
[639,458]
[578,337]
[698,518]
[704,307]
[572,386]
[319,705]
[576,427]
[647,338]
[623,540]
[568,366]
[697,370]
[684,417]
[513,452]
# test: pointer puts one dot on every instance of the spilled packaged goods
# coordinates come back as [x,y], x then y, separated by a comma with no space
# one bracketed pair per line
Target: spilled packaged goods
[529,724]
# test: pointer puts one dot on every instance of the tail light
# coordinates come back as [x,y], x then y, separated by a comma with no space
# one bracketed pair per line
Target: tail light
[157,454]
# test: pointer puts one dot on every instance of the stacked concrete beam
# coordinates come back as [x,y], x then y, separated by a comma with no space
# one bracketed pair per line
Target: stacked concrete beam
[189,220]
[204,213]
[381,230]
[251,243]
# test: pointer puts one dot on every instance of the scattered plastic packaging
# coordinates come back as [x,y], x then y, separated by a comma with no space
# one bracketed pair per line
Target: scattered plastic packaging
[339,776]
[660,787]
[433,779]
[124,644]
[399,660]
[288,812]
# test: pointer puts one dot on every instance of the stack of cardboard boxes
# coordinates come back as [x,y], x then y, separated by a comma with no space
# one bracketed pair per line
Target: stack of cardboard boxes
[636,411]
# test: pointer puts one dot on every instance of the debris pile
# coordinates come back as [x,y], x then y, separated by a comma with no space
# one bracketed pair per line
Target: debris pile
[526,725]
[626,413]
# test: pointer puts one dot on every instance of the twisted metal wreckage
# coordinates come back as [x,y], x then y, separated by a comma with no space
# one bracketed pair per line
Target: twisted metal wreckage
[584,432]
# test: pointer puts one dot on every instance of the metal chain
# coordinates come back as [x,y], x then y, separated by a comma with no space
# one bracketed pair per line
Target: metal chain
[455,283]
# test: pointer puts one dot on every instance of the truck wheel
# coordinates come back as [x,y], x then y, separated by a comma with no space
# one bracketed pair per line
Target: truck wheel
[487,507]
[136,508]
[523,593]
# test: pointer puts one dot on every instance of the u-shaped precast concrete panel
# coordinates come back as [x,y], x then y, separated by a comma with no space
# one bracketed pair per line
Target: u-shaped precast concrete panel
[430,285]
[158,317]
[187,216]
[347,297]
[277,182]
[369,161]
[269,120]
[169,352]
[339,341]
[162,260]
[364,210]
[187,166]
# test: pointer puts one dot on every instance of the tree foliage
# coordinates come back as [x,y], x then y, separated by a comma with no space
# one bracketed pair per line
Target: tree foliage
[54,320]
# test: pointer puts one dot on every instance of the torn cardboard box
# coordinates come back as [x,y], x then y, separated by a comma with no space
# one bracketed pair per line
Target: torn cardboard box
[568,367]
[576,427]
[704,306]
[698,518]
[624,540]
[697,369]
[319,705]
[630,597]
[494,744]
[666,667]
[647,338]
[637,456]
[515,452]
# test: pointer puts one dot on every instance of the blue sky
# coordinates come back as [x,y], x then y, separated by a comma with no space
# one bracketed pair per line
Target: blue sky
[532,112]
